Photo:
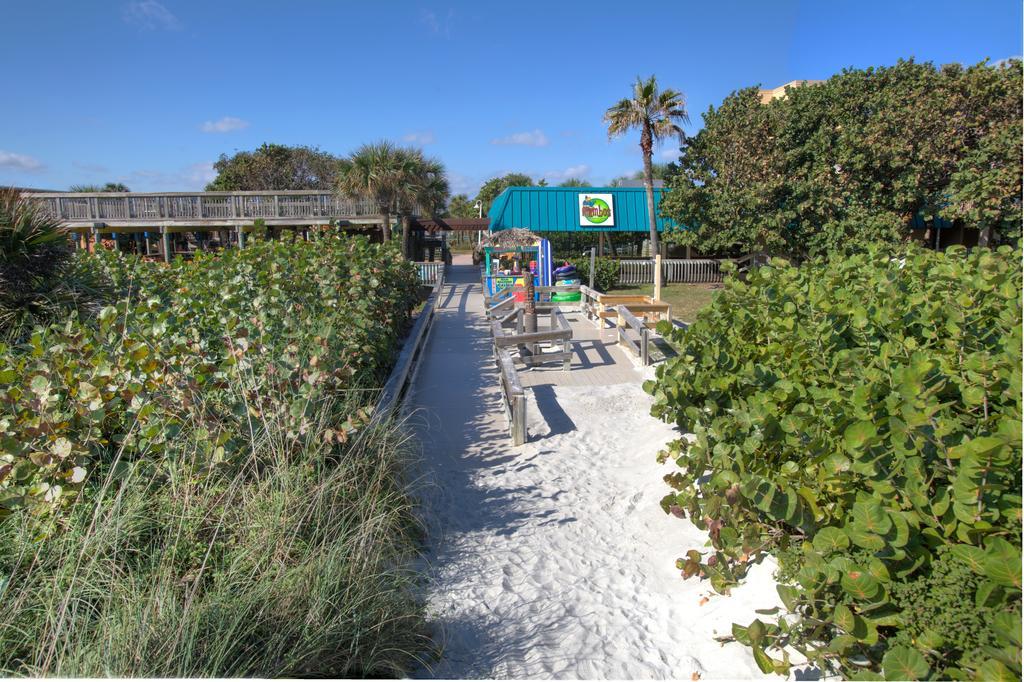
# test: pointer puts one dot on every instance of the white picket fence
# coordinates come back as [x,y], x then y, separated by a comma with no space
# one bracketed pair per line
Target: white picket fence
[683,270]
[430,272]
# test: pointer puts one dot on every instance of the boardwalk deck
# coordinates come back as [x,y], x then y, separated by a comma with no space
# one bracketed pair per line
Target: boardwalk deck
[127,210]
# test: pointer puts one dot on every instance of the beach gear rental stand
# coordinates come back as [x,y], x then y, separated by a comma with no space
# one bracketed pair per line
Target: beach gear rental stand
[510,256]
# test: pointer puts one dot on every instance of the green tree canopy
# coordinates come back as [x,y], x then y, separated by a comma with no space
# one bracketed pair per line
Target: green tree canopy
[659,171]
[854,159]
[461,206]
[496,186]
[108,187]
[574,182]
[276,167]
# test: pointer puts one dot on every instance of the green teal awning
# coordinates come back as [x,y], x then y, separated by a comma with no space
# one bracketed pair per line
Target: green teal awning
[562,209]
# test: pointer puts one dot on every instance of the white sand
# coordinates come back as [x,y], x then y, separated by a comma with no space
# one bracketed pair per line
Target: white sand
[555,559]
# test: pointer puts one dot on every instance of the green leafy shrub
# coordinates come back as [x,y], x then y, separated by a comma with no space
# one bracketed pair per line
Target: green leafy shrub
[606,271]
[191,483]
[860,418]
[306,320]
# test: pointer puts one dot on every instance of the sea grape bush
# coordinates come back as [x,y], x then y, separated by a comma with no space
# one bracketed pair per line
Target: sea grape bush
[303,322]
[860,419]
[606,271]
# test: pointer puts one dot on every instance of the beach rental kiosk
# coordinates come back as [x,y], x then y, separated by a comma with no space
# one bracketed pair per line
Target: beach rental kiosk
[510,256]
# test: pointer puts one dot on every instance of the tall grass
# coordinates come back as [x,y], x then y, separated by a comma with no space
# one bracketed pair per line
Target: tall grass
[290,562]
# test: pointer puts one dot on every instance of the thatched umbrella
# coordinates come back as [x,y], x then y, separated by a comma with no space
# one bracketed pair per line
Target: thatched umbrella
[510,239]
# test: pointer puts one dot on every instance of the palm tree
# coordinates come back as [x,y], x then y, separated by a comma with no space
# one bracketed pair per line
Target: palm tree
[425,185]
[376,172]
[655,113]
[40,281]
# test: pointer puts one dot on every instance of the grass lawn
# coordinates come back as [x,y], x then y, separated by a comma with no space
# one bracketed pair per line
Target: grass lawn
[685,299]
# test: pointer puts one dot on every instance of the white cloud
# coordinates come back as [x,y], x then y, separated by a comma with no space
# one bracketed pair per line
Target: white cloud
[421,137]
[21,162]
[579,172]
[224,125]
[150,15]
[669,154]
[533,138]
[437,26]
[464,184]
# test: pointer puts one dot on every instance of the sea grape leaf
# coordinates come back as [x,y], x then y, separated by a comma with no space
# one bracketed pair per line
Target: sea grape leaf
[904,663]
[830,539]
[860,585]
[1003,563]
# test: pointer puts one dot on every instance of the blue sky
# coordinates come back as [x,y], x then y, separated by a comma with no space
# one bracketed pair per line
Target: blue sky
[151,92]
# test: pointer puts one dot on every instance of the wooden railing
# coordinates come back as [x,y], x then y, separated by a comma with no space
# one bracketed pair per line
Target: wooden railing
[408,360]
[430,272]
[143,208]
[513,396]
[627,321]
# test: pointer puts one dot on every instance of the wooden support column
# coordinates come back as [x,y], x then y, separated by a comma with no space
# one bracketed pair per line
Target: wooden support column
[241,236]
[165,237]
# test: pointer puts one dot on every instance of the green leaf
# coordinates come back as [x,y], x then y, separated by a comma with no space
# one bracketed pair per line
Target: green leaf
[904,663]
[756,632]
[994,671]
[870,516]
[860,585]
[789,595]
[763,660]
[830,539]
[1008,627]
[972,556]
[858,435]
[1003,563]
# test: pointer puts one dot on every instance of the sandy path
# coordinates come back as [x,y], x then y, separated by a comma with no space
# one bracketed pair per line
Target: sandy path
[554,559]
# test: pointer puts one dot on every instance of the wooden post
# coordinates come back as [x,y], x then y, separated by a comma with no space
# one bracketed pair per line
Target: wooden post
[95,239]
[600,244]
[241,236]
[593,253]
[657,277]
[165,238]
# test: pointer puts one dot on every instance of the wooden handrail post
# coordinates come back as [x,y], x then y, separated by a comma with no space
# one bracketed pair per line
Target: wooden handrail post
[593,254]
[657,277]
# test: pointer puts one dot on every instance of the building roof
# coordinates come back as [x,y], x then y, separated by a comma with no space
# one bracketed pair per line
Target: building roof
[557,209]
[767,95]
